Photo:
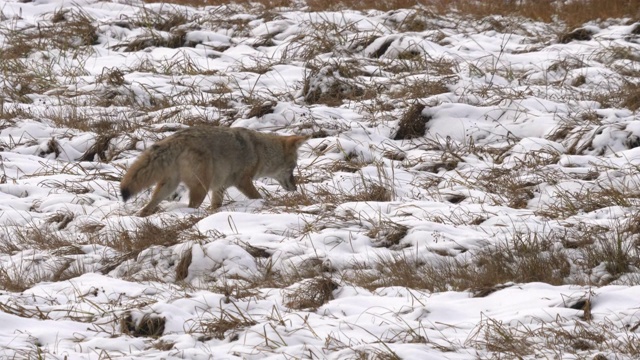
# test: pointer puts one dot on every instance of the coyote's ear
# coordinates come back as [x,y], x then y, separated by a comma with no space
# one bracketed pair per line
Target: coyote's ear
[295,141]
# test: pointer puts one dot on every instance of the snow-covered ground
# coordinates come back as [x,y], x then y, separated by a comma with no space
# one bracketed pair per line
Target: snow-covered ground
[508,228]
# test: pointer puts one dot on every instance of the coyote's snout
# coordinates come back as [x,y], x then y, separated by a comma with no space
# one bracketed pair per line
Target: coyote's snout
[212,158]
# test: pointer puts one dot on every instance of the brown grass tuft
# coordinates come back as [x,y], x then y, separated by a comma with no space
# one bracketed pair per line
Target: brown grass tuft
[590,198]
[36,237]
[62,218]
[261,109]
[631,96]
[371,192]
[388,234]
[131,243]
[575,35]
[525,258]
[160,20]
[413,123]
[311,293]
[182,268]
[152,39]
[150,325]
[224,325]
[421,88]
[332,83]
[99,148]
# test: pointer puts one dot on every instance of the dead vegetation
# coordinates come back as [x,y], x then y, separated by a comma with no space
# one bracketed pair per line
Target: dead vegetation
[413,123]
[523,259]
[328,85]
[573,13]
[130,244]
[580,337]
[311,293]
[147,326]
[559,257]
[61,250]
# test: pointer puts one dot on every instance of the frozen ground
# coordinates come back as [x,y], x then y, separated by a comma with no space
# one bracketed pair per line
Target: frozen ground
[470,189]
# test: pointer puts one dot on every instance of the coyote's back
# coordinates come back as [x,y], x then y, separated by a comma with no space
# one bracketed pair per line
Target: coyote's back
[207,158]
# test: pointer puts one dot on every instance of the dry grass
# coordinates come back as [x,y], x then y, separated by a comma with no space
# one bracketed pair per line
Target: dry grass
[152,39]
[573,13]
[163,29]
[269,4]
[311,294]
[524,258]
[23,78]
[182,268]
[561,336]
[568,203]
[18,238]
[100,149]
[419,89]
[413,123]
[330,85]
[223,324]
[615,247]
[364,189]
[554,258]
[630,94]
[11,280]
[387,233]
[68,31]
[270,277]
[148,234]
[65,251]
[160,20]
[148,325]
[506,186]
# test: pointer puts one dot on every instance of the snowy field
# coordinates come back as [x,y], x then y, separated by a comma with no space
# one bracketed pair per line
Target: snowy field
[470,190]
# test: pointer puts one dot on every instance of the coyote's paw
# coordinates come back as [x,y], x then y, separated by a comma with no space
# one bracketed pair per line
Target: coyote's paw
[146,212]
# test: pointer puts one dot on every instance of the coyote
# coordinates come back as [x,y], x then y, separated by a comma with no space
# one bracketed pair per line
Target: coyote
[212,158]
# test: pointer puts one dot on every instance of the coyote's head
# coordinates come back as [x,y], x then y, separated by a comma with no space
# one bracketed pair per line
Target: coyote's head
[284,173]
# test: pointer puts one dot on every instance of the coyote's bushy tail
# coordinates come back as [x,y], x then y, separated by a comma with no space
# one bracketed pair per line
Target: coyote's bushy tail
[150,167]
